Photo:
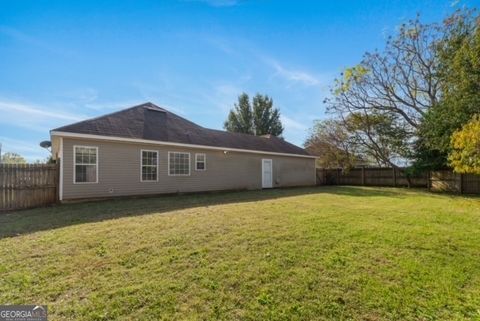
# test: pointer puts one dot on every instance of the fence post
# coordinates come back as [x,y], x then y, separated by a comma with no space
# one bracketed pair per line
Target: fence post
[363,175]
[461,183]
[394,172]
[429,180]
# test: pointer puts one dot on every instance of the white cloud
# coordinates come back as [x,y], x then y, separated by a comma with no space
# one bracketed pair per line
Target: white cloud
[220,44]
[218,3]
[110,106]
[20,36]
[454,3]
[30,150]
[29,110]
[291,124]
[34,118]
[80,95]
[295,131]
[224,96]
[292,75]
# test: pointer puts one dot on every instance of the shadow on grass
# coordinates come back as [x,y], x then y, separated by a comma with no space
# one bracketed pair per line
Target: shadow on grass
[368,191]
[40,219]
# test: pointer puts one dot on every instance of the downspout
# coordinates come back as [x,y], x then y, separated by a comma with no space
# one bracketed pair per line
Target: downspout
[60,183]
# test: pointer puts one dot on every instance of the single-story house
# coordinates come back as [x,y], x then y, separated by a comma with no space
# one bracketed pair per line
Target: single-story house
[146,149]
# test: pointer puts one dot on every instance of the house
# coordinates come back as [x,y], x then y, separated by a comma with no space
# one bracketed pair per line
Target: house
[146,149]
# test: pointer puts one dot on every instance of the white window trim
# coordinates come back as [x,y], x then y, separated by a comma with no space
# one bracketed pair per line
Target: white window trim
[75,163]
[141,165]
[204,162]
[189,164]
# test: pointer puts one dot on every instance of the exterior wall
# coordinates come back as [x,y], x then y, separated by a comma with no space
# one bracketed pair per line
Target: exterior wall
[119,171]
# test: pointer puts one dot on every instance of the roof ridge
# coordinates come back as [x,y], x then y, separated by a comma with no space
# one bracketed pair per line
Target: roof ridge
[262,137]
[109,114]
[138,122]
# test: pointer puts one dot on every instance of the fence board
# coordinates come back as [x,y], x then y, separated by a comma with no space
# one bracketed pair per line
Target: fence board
[27,185]
[446,181]
[471,184]
[437,181]
[370,176]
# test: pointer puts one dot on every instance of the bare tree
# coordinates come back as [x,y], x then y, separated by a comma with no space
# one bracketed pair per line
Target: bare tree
[333,144]
[389,92]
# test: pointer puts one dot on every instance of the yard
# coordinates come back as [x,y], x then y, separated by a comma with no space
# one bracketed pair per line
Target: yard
[330,253]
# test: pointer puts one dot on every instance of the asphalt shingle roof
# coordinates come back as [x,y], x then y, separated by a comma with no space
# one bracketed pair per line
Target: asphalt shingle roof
[150,122]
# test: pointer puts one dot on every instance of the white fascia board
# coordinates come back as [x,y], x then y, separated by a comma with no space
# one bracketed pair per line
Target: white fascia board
[155,142]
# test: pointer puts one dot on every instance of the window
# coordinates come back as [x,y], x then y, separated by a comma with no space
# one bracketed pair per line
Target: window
[149,165]
[86,164]
[178,164]
[200,162]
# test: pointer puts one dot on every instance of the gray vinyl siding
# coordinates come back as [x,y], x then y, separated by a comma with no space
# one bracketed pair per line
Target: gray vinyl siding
[119,171]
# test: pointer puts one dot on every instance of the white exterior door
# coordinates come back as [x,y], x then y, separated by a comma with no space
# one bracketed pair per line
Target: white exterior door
[267,173]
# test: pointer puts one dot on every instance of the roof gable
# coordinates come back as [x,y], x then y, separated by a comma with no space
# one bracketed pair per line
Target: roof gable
[150,122]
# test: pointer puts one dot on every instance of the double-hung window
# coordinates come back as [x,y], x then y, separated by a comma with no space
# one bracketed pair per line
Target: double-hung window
[178,164]
[86,164]
[200,162]
[149,171]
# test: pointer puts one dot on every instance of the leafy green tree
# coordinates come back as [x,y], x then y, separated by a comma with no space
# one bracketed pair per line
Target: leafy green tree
[266,119]
[13,158]
[240,118]
[47,160]
[459,74]
[261,119]
[407,100]
[465,154]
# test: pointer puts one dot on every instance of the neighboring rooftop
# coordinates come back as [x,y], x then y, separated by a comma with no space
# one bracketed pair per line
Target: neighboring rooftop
[150,122]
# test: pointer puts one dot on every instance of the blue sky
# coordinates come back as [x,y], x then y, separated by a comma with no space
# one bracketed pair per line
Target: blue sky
[64,61]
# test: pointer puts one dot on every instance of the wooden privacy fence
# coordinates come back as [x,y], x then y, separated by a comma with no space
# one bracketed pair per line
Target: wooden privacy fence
[448,181]
[436,181]
[370,176]
[27,185]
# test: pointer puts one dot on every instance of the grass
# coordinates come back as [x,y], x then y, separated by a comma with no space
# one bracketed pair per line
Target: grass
[330,253]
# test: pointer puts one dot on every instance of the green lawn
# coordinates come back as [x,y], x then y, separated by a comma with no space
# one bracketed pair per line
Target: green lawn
[330,253]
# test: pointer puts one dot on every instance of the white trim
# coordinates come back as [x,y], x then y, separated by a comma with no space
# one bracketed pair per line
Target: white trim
[74,163]
[141,164]
[271,172]
[189,164]
[155,142]
[204,162]
[60,184]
